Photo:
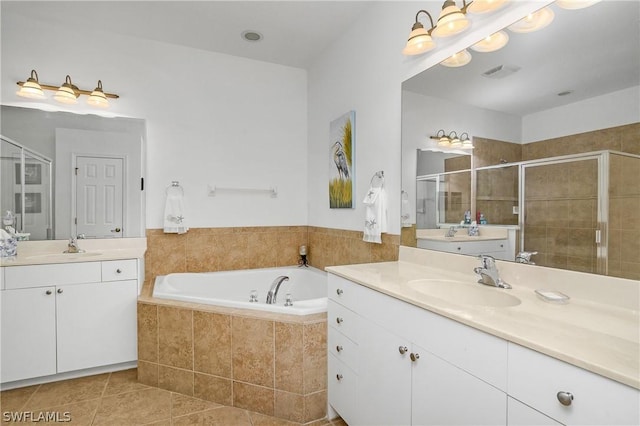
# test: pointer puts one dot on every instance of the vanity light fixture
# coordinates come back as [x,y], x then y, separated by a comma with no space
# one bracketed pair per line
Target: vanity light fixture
[478,7]
[452,19]
[31,88]
[420,40]
[576,4]
[492,43]
[533,22]
[452,140]
[442,138]
[466,142]
[67,93]
[455,140]
[459,59]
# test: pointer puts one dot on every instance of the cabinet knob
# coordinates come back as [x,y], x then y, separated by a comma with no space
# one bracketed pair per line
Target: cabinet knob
[414,357]
[339,291]
[565,398]
[339,320]
[118,271]
[339,376]
[402,349]
[48,292]
[60,291]
[339,348]
[459,248]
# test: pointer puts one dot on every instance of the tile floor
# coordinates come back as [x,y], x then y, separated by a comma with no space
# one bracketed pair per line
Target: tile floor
[117,399]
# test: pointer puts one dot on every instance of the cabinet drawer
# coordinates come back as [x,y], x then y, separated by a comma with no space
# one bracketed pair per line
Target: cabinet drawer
[343,320]
[54,274]
[118,270]
[343,291]
[535,379]
[343,348]
[342,390]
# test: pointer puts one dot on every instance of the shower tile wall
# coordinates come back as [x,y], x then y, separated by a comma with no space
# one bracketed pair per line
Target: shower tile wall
[272,366]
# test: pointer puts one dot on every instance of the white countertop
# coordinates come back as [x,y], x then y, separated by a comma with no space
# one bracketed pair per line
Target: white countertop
[599,337]
[485,234]
[95,250]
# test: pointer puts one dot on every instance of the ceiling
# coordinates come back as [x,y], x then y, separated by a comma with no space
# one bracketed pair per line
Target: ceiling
[589,52]
[294,32]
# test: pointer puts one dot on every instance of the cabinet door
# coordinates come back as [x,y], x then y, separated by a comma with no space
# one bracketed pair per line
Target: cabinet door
[384,377]
[96,324]
[446,395]
[519,414]
[28,339]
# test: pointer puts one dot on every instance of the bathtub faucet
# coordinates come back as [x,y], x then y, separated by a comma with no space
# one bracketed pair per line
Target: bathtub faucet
[275,286]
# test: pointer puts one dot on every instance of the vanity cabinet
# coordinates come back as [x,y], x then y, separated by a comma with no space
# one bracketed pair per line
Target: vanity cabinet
[395,369]
[496,248]
[67,317]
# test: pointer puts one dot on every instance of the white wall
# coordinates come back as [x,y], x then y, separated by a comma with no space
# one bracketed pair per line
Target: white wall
[211,118]
[601,112]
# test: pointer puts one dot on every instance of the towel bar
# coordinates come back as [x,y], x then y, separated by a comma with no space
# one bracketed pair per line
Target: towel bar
[273,192]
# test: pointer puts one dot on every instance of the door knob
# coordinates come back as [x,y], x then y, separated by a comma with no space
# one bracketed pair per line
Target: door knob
[339,348]
[339,376]
[339,291]
[48,292]
[116,230]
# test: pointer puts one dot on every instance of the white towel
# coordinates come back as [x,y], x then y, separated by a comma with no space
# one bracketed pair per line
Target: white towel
[174,220]
[375,220]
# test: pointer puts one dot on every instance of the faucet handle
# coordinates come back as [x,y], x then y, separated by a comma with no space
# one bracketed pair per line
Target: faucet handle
[488,262]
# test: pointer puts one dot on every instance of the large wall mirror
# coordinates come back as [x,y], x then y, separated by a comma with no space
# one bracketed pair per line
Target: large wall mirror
[69,175]
[554,120]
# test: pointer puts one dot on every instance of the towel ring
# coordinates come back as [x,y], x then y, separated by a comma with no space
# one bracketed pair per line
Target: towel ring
[175,185]
[379,176]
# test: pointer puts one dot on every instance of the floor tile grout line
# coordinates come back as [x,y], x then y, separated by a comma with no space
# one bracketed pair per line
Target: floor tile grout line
[24,405]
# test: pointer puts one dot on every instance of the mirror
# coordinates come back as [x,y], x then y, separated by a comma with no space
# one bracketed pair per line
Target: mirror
[97,173]
[553,117]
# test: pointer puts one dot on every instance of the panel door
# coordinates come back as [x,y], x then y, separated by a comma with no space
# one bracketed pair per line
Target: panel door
[99,197]
[28,339]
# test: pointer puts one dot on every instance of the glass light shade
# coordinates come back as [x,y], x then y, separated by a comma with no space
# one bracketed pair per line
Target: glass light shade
[31,89]
[444,141]
[533,22]
[65,95]
[575,4]
[98,99]
[451,21]
[459,59]
[492,43]
[479,7]
[419,42]
[455,142]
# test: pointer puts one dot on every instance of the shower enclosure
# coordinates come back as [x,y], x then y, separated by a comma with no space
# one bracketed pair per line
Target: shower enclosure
[579,212]
[26,189]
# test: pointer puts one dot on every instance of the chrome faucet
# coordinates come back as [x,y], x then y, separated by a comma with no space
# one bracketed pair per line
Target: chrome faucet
[451,232]
[275,286]
[488,272]
[73,247]
[525,257]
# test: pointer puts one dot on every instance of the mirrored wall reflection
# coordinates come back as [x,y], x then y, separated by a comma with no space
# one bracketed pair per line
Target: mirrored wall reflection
[25,200]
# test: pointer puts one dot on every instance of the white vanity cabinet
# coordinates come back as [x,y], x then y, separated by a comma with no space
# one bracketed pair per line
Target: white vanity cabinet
[394,372]
[500,249]
[62,318]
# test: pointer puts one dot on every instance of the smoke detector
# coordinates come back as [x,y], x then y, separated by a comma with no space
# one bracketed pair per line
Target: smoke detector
[501,71]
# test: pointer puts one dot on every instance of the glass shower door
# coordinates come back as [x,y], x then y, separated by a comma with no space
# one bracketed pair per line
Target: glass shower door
[564,214]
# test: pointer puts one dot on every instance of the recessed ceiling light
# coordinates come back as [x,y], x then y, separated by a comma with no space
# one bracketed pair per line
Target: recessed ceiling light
[251,35]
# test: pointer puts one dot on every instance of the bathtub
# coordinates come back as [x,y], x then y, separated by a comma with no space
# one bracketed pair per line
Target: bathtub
[233,289]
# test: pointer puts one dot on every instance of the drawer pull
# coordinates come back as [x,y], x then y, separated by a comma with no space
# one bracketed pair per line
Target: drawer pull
[48,292]
[414,357]
[565,398]
[339,376]
[402,349]
[60,291]
[339,292]
[339,320]
[118,271]
[339,348]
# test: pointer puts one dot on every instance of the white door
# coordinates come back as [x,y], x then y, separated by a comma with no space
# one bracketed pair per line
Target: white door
[99,197]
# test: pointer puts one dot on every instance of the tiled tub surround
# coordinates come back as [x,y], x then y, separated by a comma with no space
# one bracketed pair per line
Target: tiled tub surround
[267,363]
[224,249]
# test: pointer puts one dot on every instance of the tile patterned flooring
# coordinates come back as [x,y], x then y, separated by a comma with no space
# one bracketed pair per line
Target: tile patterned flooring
[117,399]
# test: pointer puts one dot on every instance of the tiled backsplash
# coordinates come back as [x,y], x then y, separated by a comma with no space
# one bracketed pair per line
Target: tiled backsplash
[217,249]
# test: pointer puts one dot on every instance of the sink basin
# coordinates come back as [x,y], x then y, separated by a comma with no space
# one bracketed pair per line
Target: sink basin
[64,256]
[464,293]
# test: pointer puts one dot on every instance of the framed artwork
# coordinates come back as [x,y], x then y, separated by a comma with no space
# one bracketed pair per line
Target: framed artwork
[32,174]
[32,202]
[342,161]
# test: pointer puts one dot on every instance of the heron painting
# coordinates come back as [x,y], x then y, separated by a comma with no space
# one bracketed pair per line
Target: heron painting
[341,161]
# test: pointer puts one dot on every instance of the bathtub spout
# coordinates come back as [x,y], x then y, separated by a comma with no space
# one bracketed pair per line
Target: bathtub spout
[275,286]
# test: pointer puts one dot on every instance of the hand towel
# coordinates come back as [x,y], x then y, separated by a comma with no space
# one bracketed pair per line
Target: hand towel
[174,220]
[375,221]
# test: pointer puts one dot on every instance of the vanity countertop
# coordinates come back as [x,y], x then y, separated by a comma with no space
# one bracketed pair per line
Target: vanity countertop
[485,234]
[601,338]
[95,250]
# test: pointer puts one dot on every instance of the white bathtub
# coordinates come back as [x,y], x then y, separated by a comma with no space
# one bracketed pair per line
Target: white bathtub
[307,286]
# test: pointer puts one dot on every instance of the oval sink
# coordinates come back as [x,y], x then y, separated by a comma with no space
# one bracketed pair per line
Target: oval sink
[464,293]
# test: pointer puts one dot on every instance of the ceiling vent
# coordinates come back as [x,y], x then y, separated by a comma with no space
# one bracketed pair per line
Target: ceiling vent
[501,71]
